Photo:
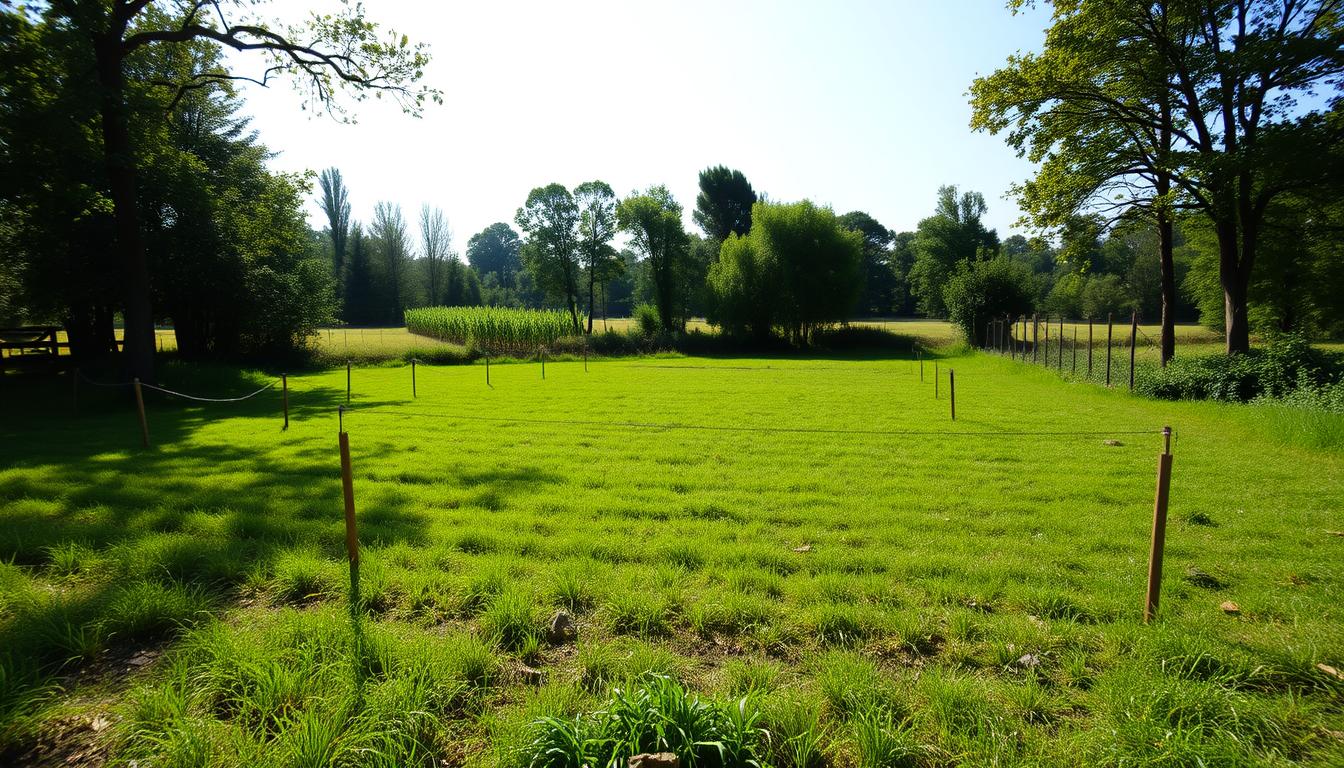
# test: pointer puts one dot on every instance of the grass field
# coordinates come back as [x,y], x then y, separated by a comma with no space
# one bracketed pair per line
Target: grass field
[826,557]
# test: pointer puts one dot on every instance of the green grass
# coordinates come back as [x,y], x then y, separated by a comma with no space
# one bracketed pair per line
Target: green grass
[898,590]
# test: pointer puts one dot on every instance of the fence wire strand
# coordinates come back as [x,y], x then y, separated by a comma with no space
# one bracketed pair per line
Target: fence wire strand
[198,399]
[381,410]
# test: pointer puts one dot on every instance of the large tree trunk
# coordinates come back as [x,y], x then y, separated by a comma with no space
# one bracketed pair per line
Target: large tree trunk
[1165,248]
[128,243]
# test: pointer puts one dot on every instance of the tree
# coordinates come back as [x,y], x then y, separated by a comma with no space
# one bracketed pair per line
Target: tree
[392,243]
[723,206]
[437,242]
[597,227]
[879,280]
[494,250]
[985,289]
[952,235]
[550,219]
[1198,102]
[339,50]
[797,270]
[336,205]
[653,220]
[360,294]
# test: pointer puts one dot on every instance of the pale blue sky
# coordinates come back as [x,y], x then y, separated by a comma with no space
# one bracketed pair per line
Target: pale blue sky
[856,105]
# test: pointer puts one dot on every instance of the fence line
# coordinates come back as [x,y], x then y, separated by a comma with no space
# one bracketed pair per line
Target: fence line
[199,399]
[400,412]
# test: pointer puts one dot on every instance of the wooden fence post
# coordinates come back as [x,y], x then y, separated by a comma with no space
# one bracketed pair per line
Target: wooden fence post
[935,379]
[1110,327]
[348,491]
[1045,353]
[1075,350]
[921,366]
[1159,528]
[543,363]
[1059,363]
[347,382]
[1089,347]
[1035,335]
[414,393]
[952,391]
[487,369]
[140,409]
[1133,337]
[284,396]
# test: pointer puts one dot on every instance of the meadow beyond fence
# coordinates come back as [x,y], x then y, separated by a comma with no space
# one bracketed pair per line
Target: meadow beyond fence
[495,330]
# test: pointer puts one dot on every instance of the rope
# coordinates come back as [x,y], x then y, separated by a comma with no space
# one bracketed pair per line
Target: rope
[750,430]
[208,399]
[101,384]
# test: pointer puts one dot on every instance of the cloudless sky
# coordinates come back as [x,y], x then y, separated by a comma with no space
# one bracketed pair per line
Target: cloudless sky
[856,104]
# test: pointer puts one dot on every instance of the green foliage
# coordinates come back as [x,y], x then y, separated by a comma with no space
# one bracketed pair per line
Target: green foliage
[798,270]
[879,277]
[1287,364]
[724,204]
[983,290]
[653,221]
[497,330]
[647,319]
[550,219]
[954,234]
[494,250]
[657,715]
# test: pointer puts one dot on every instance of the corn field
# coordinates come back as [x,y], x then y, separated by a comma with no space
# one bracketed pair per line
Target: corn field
[494,329]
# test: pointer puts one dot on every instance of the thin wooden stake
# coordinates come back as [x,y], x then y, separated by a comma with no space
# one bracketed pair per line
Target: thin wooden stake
[1089,348]
[140,408]
[1059,363]
[1110,328]
[413,390]
[935,379]
[1035,336]
[347,382]
[1133,337]
[348,491]
[543,363]
[1159,528]
[284,396]
[921,367]
[1075,349]
[487,369]
[952,391]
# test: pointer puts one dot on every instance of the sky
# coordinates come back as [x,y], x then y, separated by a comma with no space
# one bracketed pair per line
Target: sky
[855,104]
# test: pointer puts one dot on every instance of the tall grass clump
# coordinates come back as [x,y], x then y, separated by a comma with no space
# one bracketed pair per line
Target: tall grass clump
[498,329]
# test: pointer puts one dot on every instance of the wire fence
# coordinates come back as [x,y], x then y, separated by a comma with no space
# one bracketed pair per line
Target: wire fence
[1108,353]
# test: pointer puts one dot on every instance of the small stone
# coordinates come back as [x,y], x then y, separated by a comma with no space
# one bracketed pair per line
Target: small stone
[99,724]
[1230,608]
[1112,442]
[1029,661]
[804,548]
[562,628]
[1331,671]
[654,760]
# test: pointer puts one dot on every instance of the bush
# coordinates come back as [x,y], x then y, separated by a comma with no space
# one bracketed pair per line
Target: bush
[646,317]
[1287,365]
[983,290]
[797,270]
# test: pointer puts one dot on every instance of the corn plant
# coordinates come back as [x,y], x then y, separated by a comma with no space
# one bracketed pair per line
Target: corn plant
[497,330]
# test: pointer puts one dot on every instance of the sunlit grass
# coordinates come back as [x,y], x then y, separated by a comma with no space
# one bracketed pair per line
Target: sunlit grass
[882,586]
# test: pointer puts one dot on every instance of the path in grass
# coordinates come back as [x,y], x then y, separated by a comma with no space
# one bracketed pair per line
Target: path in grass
[831,543]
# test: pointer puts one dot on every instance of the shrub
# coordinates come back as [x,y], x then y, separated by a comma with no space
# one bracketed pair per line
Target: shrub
[646,317]
[797,270]
[986,289]
[1287,364]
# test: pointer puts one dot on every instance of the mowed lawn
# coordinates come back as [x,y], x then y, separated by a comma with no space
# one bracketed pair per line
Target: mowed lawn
[811,542]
